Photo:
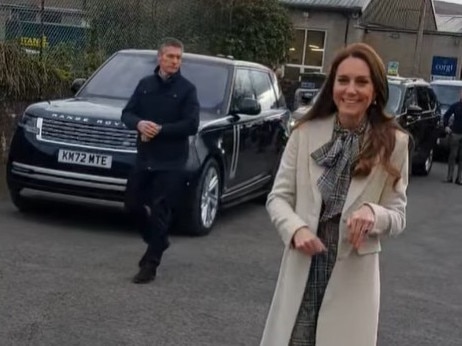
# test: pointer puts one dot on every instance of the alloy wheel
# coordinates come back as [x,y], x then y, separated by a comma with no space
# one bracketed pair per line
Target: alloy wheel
[210,197]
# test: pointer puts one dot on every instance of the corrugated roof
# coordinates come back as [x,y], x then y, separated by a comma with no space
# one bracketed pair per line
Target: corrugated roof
[443,7]
[399,14]
[449,23]
[340,4]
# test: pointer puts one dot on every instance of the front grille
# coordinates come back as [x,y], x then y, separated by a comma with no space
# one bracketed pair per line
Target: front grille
[88,135]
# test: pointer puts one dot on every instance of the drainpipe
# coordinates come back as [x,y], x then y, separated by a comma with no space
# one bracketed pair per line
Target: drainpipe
[347,30]
[420,34]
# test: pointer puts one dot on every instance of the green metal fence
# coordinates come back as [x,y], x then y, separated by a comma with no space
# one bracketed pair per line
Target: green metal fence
[71,30]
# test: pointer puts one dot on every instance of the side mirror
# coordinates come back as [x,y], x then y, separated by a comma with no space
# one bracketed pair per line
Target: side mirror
[77,84]
[248,106]
[414,110]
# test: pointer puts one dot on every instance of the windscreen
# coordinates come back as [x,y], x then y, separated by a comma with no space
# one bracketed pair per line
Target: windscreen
[447,94]
[118,78]
[394,99]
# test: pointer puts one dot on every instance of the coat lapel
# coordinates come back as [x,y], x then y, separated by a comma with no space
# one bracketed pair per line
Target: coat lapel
[358,185]
[319,133]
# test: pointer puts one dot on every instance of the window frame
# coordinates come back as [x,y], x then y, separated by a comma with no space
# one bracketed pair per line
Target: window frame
[302,66]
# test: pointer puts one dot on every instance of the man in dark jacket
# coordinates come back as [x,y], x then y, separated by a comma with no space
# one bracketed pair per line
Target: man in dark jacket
[455,140]
[165,110]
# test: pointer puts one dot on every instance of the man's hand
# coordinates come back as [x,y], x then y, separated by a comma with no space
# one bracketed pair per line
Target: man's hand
[148,129]
[359,224]
[305,241]
[448,130]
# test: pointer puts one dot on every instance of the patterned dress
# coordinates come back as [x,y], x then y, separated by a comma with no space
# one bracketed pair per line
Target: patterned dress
[338,157]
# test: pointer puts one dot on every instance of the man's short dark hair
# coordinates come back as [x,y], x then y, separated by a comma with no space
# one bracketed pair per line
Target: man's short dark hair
[171,42]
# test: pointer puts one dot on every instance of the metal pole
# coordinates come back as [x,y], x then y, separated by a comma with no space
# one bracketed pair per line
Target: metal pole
[42,27]
[420,35]
[42,34]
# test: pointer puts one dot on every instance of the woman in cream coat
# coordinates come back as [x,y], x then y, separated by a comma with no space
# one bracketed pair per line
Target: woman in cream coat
[340,189]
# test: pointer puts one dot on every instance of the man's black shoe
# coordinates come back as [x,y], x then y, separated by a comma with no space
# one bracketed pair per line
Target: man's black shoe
[147,255]
[146,274]
[458,182]
[449,181]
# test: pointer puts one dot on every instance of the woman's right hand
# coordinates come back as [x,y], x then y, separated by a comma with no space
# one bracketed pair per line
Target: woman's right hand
[307,242]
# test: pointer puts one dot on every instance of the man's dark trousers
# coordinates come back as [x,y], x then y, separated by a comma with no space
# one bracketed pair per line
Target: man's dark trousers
[151,198]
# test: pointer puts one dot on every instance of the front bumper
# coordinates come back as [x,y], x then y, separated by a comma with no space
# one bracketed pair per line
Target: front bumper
[22,175]
[34,165]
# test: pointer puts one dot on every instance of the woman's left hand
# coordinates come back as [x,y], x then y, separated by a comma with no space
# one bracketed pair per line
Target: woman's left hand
[359,224]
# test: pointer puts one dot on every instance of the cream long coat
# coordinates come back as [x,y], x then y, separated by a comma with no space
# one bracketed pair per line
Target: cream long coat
[350,308]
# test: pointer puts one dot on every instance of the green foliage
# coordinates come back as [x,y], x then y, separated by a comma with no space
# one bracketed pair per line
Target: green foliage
[72,62]
[122,24]
[29,76]
[24,77]
[255,30]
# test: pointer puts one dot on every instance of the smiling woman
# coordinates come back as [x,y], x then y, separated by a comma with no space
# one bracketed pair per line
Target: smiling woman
[340,188]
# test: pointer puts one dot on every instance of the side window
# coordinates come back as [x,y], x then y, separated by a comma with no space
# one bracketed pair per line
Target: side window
[263,90]
[433,99]
[242,86]
[422,98]
[278,90]
[409,99]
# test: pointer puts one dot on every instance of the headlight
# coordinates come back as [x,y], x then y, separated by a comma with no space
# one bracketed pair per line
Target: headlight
[29,123]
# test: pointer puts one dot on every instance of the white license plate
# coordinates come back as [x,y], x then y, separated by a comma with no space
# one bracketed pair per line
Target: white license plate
[85,159]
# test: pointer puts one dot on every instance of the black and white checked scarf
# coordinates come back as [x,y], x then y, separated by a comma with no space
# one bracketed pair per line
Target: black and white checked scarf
[338,156]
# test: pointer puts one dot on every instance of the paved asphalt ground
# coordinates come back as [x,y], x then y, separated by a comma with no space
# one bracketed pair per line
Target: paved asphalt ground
[65,278]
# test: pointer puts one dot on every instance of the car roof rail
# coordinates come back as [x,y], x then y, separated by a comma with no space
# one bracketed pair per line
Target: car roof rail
[230,57]
[404,80]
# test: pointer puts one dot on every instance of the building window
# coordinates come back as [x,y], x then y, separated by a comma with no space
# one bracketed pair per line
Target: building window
[306,53]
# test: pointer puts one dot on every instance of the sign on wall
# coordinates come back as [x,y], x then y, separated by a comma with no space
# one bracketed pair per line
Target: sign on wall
[33,35]
[444,67]
[393,68]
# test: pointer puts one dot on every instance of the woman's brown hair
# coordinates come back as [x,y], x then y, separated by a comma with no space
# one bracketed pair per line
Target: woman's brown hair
[382,137]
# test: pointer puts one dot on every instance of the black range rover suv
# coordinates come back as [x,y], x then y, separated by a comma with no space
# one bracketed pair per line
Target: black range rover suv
[79,146]
[416,107]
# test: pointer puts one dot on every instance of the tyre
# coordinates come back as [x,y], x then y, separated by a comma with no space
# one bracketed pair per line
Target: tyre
[205,201]
[424,168]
